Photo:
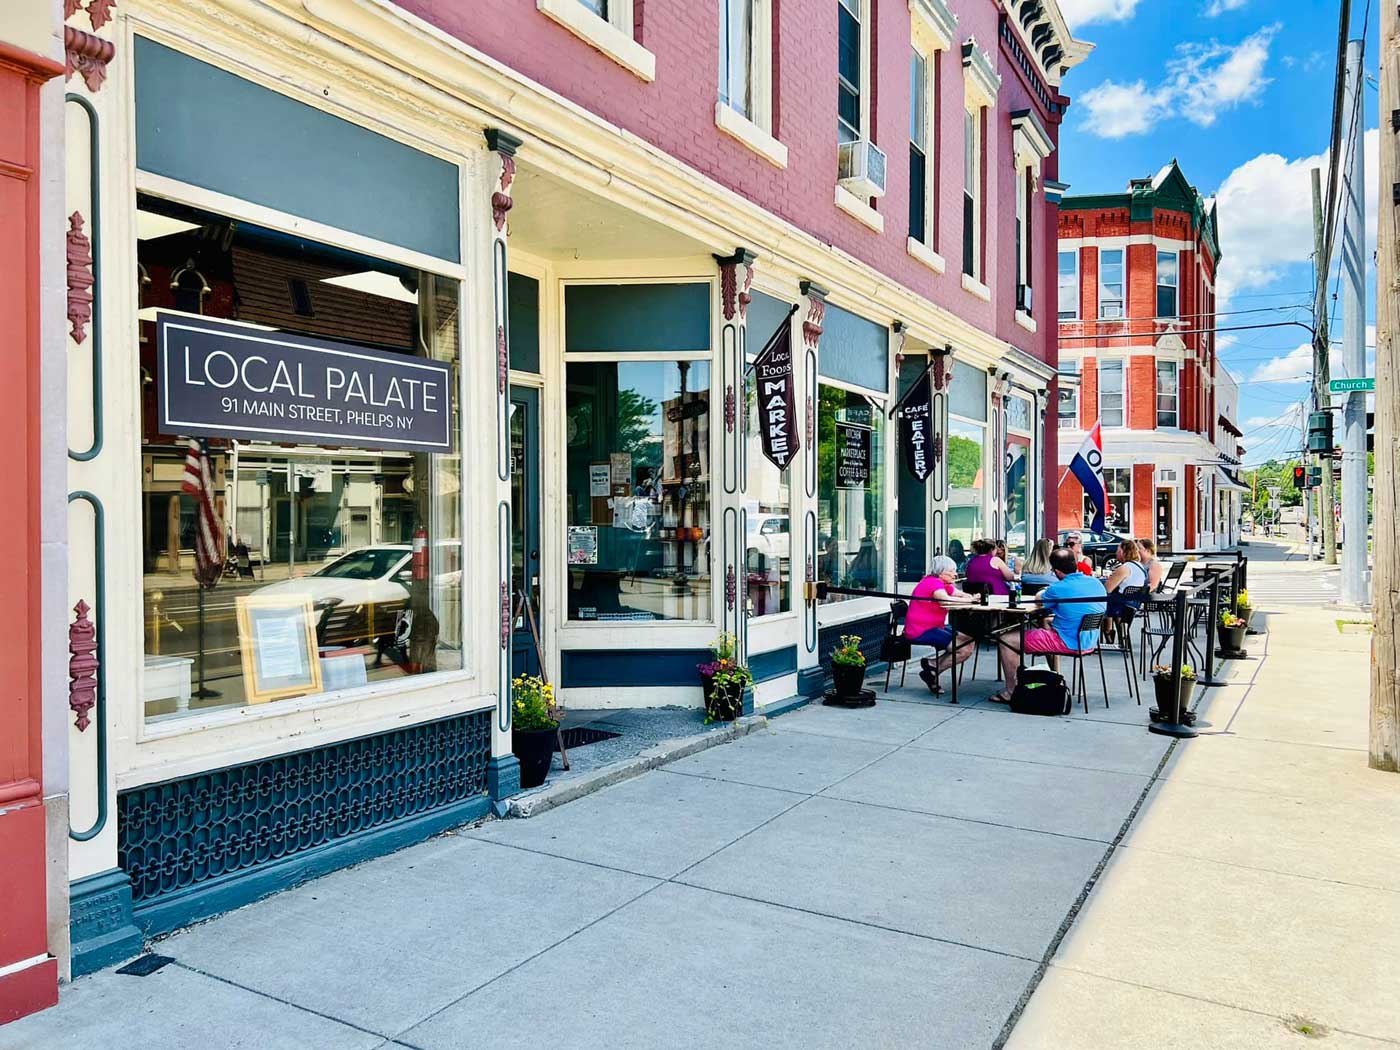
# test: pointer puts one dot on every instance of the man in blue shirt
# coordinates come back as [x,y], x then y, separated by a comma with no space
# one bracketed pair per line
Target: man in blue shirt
[1063,637]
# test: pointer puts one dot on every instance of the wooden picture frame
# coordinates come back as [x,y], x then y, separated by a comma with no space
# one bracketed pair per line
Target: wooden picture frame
[287,622]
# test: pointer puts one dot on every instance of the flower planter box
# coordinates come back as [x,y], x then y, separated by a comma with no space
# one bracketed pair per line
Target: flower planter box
[1169,713]
[722,705]
[535,750]
[848,679]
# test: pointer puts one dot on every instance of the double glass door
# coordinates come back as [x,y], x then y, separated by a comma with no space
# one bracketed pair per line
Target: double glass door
[527,628]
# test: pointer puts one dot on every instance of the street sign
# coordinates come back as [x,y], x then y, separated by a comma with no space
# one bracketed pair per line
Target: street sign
[1347,386]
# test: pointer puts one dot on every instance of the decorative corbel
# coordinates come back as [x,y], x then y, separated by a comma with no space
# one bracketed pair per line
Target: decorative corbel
[80,278]
[99,11]
[87,54]
[82,665]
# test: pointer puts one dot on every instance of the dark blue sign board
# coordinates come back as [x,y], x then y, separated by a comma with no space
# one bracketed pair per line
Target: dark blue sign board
[225,380]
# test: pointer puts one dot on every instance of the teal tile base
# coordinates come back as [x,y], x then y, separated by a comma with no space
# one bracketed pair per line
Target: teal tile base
[503,777]
[100,922]
[811,681]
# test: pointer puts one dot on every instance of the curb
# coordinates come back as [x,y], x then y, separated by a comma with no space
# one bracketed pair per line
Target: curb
[548,797]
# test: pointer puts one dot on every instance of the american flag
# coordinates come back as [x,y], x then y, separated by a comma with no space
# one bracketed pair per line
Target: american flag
[208,533]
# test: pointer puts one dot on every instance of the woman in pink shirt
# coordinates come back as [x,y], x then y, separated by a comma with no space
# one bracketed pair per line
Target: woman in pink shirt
[926,623]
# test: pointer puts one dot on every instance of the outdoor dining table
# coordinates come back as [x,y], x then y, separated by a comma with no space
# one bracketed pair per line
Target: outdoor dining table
[1025,608]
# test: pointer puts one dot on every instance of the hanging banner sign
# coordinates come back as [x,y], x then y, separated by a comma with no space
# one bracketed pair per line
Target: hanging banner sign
[777,400]
[226,380]
[916,429]
[853,453]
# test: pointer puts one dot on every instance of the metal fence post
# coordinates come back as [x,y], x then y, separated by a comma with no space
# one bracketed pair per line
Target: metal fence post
[1171,724]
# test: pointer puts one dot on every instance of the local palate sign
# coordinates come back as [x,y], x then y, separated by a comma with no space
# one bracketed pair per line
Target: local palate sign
[225,380]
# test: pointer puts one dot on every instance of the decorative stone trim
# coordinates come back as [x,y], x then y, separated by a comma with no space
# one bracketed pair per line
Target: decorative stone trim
[980,79]
[739,127]
[99,12]
[82,665]
[601,34]
[80,278]
[977,288]
[70,8]
[1031,143]
[942,373]
[1026,321]
[88,55]
[926,255]
[858,209]
[933,23]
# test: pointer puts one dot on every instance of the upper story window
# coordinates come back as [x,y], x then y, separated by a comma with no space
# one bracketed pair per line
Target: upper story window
[606,25]
[972,193]
[1024,194]
[919,104]
[1111,393]
[744,107]
[736,55]
[1031,145]
[850,71]
[1069,286]
[1167,394]
[1167,279]
[1068,400]
[1111,283]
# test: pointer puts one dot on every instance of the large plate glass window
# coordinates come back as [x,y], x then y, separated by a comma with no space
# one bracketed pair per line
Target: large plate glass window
[768,501]
[850,489]
[1017,458]
[1111,392]
[343,562]
[967,451]
[1111,283]
[638,484]
[1118,481]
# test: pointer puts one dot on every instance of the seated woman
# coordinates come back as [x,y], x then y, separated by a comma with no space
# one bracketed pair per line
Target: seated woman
[1130,573]
[1036,571]
[1156,568]
[985,569]
[926,622]
[956,552]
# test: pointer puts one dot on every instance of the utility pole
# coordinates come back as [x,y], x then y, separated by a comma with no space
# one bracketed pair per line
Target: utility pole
[1385,659]
[1354,493]
[1321,399]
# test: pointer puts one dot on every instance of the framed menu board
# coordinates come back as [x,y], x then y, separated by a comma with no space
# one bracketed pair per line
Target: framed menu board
[277,640]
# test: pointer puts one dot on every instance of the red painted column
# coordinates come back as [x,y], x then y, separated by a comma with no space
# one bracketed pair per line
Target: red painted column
[30,976]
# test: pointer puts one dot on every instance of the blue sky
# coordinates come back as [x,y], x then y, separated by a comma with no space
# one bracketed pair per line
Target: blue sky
[1240,93]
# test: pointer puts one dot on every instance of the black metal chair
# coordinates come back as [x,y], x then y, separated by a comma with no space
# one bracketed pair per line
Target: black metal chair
[1091,622]
[1159,624]
[1174,573]
[895,648]
[1125,612]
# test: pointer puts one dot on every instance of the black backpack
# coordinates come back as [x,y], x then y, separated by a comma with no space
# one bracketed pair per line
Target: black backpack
[1040,691]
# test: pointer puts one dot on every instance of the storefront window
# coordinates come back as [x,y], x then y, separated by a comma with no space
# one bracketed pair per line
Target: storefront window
[850,489]
[336,563]
[967,487]
[638,544]
[1018,458]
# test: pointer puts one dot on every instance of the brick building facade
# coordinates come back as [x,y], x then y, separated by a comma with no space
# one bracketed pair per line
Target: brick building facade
[1136,287]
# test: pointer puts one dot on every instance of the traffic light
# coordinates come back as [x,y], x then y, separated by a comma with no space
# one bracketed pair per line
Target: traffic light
[1320,433]
[1300,478]
[1315,476]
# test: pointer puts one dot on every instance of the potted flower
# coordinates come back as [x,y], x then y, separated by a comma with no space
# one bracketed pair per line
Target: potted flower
[1162,683]
[1243,609]
[723,681]
[848,667]
[535,727]
[1232,630]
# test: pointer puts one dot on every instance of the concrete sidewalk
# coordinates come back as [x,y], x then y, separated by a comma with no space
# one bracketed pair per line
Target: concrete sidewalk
[890,877]
[1256,899]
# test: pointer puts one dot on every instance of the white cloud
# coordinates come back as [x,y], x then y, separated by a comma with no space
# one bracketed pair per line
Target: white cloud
[1293,366]
[1081,12]
[1201,82]
[1265,213]
[1219,7]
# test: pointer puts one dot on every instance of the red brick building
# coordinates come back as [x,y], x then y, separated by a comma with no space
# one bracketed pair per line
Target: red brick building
[1137,275]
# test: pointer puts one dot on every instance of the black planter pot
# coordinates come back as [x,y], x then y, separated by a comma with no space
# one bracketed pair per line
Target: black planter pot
[1232,638]
[848,679]
[535,750]
[723,705]
[1162,684]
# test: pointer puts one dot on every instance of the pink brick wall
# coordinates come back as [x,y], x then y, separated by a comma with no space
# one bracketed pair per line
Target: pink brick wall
[676,114]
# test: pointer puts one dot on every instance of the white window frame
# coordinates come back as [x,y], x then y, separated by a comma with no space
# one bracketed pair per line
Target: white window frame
[1062,421]
[1175,394]
[972,187]
[861,10]
[981,82]
[1174,285]
[1119,365]
[1122,283]
[754,128]
[1110,476]
[932,26]
[1071,315]
[613,36]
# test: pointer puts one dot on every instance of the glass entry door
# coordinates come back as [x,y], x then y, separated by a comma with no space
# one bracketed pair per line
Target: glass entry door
[525,527]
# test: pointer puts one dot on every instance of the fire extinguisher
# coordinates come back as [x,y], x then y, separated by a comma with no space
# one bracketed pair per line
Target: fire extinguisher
[420,553]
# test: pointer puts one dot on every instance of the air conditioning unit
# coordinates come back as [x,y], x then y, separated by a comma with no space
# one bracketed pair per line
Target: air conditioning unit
[1111,311]
[860,168]
[1023,298]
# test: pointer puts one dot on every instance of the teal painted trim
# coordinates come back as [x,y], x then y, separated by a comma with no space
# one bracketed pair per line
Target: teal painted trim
[95,238]
[854,350]
[503,777]
[643,318]
[774,663]
[204,900]
[99,542]
[810,682]
[601,668]
[100,926]
[523,333]
[786,705]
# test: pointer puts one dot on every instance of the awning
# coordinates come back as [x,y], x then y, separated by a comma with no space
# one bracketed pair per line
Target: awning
[1223,480]
[1231,428]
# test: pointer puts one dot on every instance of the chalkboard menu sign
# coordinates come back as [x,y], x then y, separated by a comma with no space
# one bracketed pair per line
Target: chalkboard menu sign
[853,453]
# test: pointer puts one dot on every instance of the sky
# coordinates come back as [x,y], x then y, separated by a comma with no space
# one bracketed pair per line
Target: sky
[1240,93]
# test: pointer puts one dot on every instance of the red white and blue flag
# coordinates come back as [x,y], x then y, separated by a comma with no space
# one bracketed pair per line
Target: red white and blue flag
[208,533]
[1087,466]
